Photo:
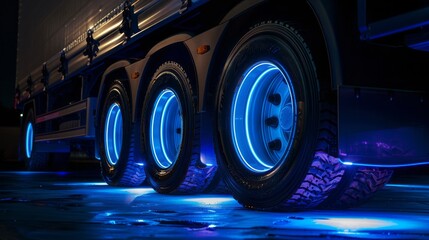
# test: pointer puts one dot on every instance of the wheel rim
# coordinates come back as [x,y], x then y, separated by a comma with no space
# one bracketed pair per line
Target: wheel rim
[29,139]
[113,133]
[166,124]
[263,116]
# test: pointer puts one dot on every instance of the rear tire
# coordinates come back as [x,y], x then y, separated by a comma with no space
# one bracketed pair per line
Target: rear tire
[274,133]
[358,185]
[118,142]
[171,134]
[34,161]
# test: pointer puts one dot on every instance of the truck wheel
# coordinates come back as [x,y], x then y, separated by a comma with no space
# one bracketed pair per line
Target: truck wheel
[171,134]
[34,160]
[117,138]
[274,134]
[358,185]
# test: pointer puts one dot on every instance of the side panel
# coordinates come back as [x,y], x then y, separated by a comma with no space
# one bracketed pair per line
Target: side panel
[382,92]
[376,64]
[48,26]
[65,28]
[383,127]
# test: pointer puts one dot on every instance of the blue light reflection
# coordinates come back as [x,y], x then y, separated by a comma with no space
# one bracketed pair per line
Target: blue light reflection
[209,200]
[364,224]
[165,130]
[113,133]
[263,116]
[357,224]
[387,165]
[81,184]
[411,186]
[29,140]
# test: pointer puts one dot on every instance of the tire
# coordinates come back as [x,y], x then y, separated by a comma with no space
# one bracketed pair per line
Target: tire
[34,160]
[117,139]
[171,134]
[276,138]
[217,185]
[357,186]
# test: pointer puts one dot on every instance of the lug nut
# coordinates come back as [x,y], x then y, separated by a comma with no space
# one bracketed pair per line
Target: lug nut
[272,122]
[275,99]
[275,145]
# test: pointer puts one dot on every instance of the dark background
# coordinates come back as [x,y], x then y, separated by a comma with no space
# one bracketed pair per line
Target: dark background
[8,36]
[9,117]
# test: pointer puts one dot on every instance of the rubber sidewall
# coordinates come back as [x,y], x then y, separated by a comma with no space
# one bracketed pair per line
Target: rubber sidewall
[169,76]
[116,94]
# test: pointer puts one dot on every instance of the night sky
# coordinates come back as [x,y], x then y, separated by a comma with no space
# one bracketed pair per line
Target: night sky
[8,24]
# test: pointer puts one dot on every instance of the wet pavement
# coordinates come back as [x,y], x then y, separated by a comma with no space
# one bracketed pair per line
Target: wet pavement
[78,205]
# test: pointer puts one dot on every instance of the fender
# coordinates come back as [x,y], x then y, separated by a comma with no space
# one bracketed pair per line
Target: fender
[136,71]
[109,71]
[240,8]
[326,23]
[168,41]
[118,66]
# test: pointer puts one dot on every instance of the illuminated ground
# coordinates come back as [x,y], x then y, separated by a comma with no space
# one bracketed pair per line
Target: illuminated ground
[73,205]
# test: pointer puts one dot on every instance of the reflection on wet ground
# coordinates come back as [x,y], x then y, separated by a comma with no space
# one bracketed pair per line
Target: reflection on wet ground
[76,205]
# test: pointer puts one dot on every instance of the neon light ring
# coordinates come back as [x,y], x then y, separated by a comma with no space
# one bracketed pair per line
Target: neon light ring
[263,116]
[166,124]
[29,139]
[113,133]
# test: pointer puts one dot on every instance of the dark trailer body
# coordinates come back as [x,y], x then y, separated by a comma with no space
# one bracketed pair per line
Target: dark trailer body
[286,103]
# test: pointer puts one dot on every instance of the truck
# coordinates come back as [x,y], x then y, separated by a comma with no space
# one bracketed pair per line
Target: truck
[285,105]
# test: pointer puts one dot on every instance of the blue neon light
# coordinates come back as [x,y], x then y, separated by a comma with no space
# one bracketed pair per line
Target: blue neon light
[251,135]
[29,140]
[412,186]
[113,133]
[166,118]
[107,134]
[163,126]
[382,165]
[116,133]
[153,127]
[249,106]
[396,30]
